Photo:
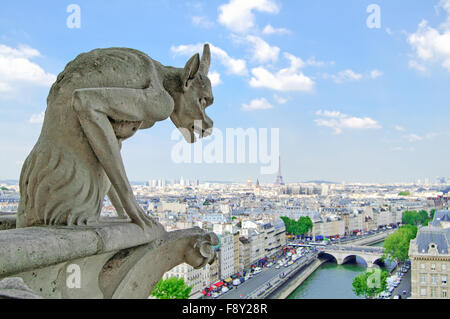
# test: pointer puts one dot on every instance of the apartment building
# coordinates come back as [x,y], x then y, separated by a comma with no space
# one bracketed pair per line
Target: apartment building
[226,255]
[328,227]
[430,259]
[244,253]
[236,246]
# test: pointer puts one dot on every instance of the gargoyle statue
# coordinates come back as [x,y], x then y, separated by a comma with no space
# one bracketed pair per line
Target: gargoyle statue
[100,99]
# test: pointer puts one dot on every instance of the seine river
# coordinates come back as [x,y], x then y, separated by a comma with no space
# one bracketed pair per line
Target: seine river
[331,281]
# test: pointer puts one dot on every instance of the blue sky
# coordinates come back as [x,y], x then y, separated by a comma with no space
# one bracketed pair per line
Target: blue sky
[352,103]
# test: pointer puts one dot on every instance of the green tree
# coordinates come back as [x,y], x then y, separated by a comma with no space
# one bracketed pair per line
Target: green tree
[171,288]
[3,188]
[424,217]
[432,212]
[405,193]
[414,217]
[396,245]
[299,227]
[370,283]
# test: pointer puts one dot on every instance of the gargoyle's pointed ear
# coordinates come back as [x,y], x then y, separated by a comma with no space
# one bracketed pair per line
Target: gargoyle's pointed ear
[206,60]
[191,69]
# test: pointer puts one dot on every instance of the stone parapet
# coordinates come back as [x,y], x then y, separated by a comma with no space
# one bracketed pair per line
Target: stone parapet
[110,260]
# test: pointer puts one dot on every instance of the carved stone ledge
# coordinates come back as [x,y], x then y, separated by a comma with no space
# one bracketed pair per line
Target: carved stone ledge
[116,260]
[7,221]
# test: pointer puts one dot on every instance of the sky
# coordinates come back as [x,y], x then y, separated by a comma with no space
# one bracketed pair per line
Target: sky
[359,90]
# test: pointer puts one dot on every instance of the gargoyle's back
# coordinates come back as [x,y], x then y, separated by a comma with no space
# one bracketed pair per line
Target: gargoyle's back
[112,67]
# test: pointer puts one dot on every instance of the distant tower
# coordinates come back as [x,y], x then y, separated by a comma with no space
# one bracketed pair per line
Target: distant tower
[279,180]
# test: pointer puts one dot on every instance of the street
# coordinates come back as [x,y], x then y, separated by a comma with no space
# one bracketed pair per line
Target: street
[259,280]
[405,284]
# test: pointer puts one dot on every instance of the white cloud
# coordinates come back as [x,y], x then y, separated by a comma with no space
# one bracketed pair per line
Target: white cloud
[339,121]
[413,138]
[279,99]
[375,74]
[399,128]
[17,69]
[345,76]
[257,104]
[37,118]
[214,77]
[329,113]
[349,75]
[202,21]
[432,45]
[288,79]
[417,138]
[268,29]
[238,16]
[397,149]
[313,62]
[4,87]
[413,64]
[261,50]
[233,66]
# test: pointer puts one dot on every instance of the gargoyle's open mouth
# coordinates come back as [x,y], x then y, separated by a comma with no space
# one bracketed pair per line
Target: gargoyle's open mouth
[200,132]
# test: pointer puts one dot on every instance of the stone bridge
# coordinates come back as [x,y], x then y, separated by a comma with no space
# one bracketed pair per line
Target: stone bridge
[345,253]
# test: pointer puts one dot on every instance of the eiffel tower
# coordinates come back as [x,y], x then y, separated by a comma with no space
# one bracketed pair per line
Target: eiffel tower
[279,181]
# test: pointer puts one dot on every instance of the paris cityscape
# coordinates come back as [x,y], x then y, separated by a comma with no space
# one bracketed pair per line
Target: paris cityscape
[225,153]
[253,237]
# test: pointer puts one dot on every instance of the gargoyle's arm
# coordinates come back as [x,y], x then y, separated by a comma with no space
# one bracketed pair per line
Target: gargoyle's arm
[115,200]
[93,108]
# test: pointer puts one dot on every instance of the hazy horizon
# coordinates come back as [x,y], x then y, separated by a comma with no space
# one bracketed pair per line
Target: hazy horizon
[355,98]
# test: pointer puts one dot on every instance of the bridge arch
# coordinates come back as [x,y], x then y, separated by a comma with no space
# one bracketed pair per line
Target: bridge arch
[352,258]
[343,256]
[327,257]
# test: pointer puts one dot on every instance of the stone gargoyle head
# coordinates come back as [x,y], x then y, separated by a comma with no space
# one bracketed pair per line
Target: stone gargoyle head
[192,94]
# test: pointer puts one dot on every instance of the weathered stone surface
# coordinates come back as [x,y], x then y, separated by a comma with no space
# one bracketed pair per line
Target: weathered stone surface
[15,288]
[7,221]
[102,98]
[114,260]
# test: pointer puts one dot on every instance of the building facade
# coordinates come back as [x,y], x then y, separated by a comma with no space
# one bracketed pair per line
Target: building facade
[430,259]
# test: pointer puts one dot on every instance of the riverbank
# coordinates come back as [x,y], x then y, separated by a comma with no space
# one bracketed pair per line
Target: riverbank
[286,289]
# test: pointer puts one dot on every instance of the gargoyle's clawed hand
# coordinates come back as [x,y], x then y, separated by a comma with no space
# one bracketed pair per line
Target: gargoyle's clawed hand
[146,222]
[202,252]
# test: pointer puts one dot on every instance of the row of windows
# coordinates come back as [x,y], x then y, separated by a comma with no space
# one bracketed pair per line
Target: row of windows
[433,279]
[433,293]
[434,267]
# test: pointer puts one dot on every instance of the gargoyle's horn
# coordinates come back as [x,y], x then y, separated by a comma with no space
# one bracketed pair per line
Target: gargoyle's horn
[206,60]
